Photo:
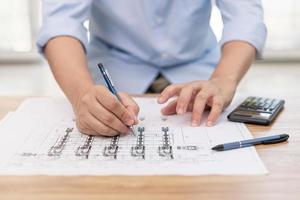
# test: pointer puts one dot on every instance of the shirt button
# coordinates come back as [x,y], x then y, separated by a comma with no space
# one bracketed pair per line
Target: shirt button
[159,20]
[164,56]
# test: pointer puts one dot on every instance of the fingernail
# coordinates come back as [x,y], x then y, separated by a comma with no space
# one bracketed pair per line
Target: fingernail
[194,123]
[136,119]
[129,121]
[179,111]
[209,124]
[133,116]
[160,99]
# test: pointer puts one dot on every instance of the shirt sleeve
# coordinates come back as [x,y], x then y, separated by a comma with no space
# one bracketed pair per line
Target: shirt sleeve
[243,20]
[63,18]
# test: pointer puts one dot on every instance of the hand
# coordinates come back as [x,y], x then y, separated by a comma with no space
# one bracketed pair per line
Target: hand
[196,96]
[98,112]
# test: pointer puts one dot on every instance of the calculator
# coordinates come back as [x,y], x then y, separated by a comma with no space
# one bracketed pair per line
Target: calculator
[257,110]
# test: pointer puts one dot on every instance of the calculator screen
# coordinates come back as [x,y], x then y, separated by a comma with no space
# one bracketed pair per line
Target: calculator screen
[252,114]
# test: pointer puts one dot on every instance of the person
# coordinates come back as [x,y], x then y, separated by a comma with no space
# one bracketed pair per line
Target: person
[141,42]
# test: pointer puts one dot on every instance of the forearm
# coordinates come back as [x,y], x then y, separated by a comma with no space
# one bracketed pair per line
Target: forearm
[97,111]
[67,60]
[237,57]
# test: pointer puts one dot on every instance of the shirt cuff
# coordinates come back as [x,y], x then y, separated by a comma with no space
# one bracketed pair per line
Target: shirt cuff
[254,34]
[58,27]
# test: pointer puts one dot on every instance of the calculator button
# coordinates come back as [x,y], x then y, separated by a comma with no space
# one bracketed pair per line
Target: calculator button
[259,99]
[245,104]
[260,105]
[250,98]
[267,101]
[251,104]
[274,105]
[257,103]
[247,101]
[268,105]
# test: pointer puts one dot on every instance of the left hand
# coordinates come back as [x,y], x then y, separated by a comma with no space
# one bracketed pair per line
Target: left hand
[196,96]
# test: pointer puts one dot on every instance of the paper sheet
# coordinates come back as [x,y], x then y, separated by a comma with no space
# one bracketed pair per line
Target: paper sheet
[41,138]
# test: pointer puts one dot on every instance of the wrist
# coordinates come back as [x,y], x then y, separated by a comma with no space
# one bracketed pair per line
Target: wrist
[225,81]
[79,92]
[227,86]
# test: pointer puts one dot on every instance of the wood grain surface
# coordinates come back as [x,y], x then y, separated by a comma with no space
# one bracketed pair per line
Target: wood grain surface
[282,182]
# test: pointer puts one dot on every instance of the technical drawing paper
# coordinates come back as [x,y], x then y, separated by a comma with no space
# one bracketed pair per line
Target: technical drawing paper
[41,138]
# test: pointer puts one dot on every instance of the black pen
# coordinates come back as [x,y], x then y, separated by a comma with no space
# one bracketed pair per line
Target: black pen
[247,143]
[111,87]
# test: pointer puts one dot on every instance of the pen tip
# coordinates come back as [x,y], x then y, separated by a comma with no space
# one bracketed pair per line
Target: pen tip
[132,131]
[217,148]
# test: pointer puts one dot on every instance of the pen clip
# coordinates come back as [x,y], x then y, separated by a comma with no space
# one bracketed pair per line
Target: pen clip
[282,138]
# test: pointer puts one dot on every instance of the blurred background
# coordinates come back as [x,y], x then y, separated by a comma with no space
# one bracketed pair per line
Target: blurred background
[23,72]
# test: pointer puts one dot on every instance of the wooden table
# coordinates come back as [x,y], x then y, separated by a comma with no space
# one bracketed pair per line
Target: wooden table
[282,182]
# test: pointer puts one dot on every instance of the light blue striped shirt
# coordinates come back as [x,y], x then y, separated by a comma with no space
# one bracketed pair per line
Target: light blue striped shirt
[138,39]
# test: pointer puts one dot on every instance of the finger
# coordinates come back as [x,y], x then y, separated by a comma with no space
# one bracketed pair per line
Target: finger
[169,92]
[99,128]
[84,128]
[216,110]
[190,106]
[130,105]
[112,104]
[199,105]
[184,99]
[107,118]
[170,109]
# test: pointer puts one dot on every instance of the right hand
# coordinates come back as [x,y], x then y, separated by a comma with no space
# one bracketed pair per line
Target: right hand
[99,112]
